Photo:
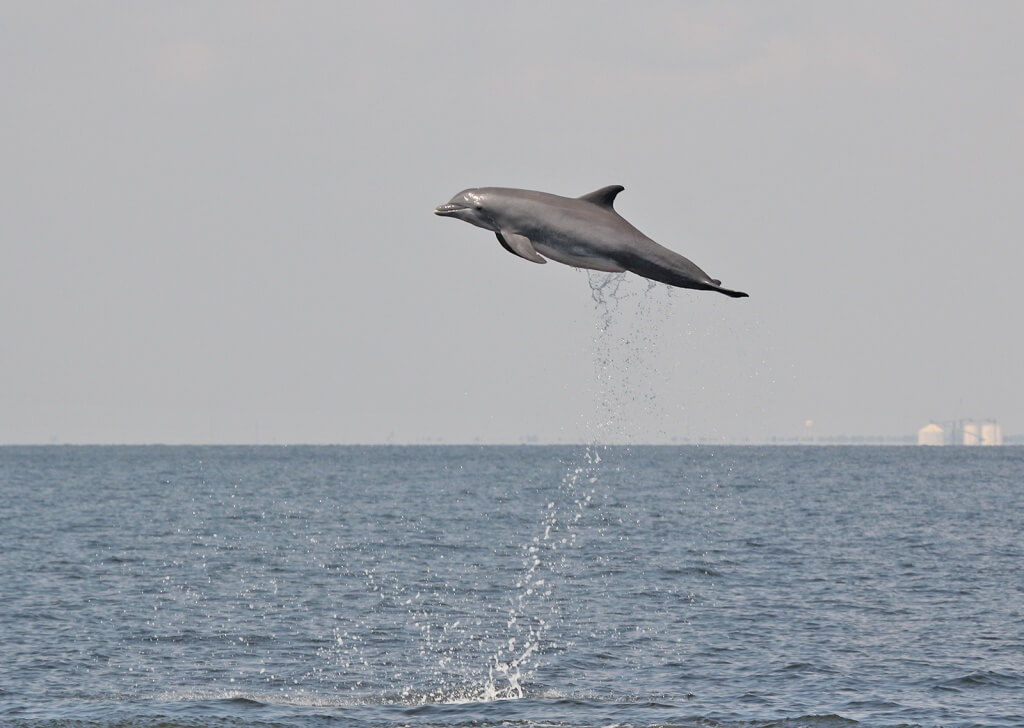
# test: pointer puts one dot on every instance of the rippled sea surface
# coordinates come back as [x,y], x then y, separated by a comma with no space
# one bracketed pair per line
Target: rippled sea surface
[478,586]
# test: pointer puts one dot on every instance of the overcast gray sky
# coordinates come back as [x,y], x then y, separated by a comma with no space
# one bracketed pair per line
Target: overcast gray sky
[215,219]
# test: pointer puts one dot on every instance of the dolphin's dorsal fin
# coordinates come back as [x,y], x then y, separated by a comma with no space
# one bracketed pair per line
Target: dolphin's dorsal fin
[604,196]
[519,245]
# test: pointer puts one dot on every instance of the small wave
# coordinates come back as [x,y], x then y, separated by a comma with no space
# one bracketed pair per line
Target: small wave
[829,720]
[250,700]
[873,706]
[691,571]
[984,679]
[796,667]
[807,668]
[244,701]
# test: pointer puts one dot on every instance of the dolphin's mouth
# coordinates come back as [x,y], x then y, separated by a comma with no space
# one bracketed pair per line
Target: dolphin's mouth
[449,208]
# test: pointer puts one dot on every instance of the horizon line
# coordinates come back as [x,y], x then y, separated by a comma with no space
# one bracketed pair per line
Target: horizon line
[787,442]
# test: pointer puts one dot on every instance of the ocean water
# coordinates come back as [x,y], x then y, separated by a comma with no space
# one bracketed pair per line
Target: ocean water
[534,586]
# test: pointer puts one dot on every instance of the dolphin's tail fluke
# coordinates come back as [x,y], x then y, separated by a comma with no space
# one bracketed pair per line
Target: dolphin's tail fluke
[726,291]
[732,294]
[666,266]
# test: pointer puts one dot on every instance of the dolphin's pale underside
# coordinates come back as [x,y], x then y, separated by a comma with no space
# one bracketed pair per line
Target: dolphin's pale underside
[585,232]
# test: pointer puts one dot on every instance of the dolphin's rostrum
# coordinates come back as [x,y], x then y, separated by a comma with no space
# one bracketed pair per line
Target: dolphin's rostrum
[585,232]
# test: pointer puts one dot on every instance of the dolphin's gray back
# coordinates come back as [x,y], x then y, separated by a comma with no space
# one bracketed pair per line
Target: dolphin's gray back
[593,219]
[568,219]
[583,229]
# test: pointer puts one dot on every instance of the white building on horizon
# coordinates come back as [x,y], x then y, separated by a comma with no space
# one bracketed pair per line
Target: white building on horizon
[931,434]
[961,433]
[991,433]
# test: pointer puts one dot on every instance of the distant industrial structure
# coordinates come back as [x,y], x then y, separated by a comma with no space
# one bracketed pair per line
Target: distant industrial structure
[961,432]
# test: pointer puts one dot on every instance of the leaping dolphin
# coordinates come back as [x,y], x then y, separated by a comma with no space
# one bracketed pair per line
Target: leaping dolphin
[585,232]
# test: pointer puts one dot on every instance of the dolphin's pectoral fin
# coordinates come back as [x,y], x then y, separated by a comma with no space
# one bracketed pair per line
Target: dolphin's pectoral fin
[520,245]
[603,197]
[505,245]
